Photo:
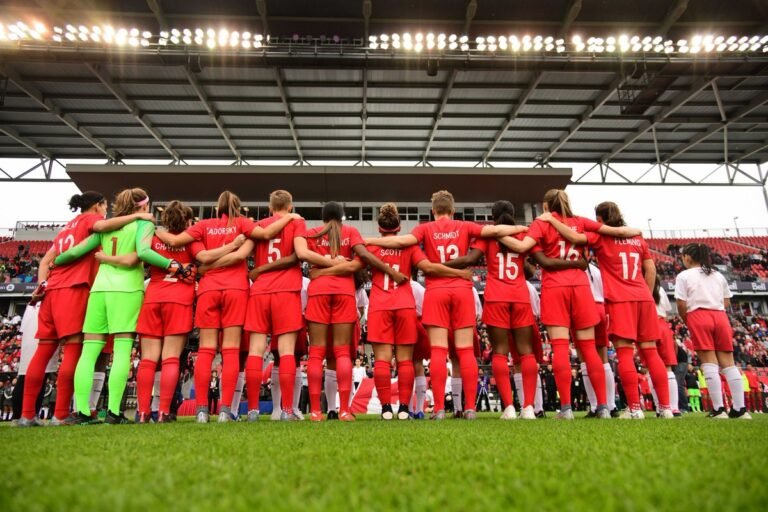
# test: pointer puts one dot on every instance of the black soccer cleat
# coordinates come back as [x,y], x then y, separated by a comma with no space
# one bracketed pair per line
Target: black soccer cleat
[332,415]
[85,419]
[739,414]
[115,419]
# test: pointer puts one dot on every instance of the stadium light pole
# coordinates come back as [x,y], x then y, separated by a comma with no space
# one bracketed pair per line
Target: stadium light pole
[736,225]
[650,231]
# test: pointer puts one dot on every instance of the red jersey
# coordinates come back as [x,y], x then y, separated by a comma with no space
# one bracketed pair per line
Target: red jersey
[267,251]
[621,266]
[505,280]
[555,246]
[444,240]
[82,271]
[162,287]
[386,294]
[215,233]
[333,285]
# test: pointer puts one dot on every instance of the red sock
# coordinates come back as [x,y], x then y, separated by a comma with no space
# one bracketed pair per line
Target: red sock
[658,373]
[65,382]
[468,365]
[438,373]
[500,370]
[253,374]
[230,367]
[530,370]
[287,375]
[628,376]
[405,378]
[33,381]
[595,368]
[561,367]
[203,375]
[343,375]
[145,379]
[382,379]
[169,378]
[315,376]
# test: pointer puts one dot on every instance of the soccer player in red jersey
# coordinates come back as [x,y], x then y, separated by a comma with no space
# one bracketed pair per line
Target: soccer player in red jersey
[64,291]
[392,319]
[165,319]
[566,298]
[222,295]
[274,305]
[331,305]
[628,275]
[449,303]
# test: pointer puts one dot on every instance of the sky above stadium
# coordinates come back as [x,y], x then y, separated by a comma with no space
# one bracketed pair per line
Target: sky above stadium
[669,207]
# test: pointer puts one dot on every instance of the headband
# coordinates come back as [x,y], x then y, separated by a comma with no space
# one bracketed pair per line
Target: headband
[393,230]
[143,201]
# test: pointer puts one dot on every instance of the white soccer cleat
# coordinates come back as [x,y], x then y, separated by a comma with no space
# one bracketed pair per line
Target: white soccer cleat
[509,413]
[528,413]
[666,414]
[634,414]
[298,414]
[276,413]
[202,415]
[564,414]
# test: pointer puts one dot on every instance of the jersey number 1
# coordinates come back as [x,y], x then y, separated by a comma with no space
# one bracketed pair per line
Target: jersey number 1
[114,245]
[386,278]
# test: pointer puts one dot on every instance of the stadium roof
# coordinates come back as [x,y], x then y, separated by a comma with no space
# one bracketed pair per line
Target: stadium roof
[323,88]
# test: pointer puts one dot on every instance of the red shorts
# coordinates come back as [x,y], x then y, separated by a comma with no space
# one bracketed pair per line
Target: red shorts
[508,315]
[423,348]
[62,313]
[393,326]
[666,346]
[449,308]
[276,313]
[475,344]
[217,309]
[568,306]
[634,321]
[331,309]
[158,319]
[601,329]
[710,330]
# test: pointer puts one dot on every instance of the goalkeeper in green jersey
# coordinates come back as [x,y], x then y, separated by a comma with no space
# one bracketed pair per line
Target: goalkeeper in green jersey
[115,300]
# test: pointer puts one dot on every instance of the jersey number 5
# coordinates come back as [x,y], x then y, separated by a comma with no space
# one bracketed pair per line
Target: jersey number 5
[273,253]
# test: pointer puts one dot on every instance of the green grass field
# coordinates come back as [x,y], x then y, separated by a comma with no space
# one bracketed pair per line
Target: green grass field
[688,464]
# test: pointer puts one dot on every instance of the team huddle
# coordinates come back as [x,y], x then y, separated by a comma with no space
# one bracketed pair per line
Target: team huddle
[93,302]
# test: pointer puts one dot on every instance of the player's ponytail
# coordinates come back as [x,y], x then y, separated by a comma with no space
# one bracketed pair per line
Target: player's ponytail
[128,201]
[229,205]
[333,215]
[85,201]
[389,218]
[175,217]
[609,214]
[700,254]
[503,212]
[657,290]
[557,202]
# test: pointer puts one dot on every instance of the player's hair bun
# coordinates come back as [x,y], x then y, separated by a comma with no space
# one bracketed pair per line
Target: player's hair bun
[85,200]
[388,219]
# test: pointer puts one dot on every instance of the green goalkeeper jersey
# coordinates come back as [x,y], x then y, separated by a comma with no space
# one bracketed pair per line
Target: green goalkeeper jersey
[133,237]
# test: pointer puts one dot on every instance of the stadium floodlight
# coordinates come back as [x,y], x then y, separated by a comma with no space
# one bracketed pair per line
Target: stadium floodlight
[70,36]
[258,37]
[187,40]
[407,44]
[669,49]
[636,47]
[57,30]
[430,36]
[743,39]
[580,47]
[372,39]
[257,45]
[722,47]
[560,49]
[576,39]
[246,44]
[695,49]
[453,45]
[453,38]
[719,40]
[635,39]
[133,41]
[682,49]
[164,34]
[658,48]
[419,37]
[418,47]
[481,47]
[145,43]
[610,48]
[610,40]
[479,40]
[40,28]
[71,28]
[211,44]
[396,44]
[744,46]
[732,39]
[134,32]
[647,47]
[464,39]
[430,44]
[406,36]
[56,37]
[84,29]
[549,47]
[682,42]
[174,40]
[538,39]
[764,39]
[384,46]
[146,34]
[373,45]
[83,36]
[537,46]
[96,38]
[754,47]
[696,40]
[465,47]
